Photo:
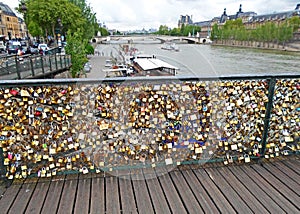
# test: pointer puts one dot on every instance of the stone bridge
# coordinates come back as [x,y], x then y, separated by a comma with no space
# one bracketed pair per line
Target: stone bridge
[143,38]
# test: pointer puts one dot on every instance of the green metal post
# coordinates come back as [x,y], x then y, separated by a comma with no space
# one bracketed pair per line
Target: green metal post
[31,66]
[2,167]
[271,91]
[17,67]
[50,63]
[61,64]
[42,65]
[56,62]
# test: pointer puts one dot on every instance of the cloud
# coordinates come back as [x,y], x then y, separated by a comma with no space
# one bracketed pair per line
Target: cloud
[138,14]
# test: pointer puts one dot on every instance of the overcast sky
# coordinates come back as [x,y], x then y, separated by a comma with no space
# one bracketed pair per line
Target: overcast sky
[139,14]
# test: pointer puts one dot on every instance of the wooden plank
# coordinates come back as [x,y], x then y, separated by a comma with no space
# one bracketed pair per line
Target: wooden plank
[294,165]
[9,196]
[127,197]
[285,177]
[158,198]
[82,204]
[98,195]
[291,196]
[2,190]
[54,193]
[191,203]
[24,196]
[172,196]
[200,193]
[36,203]
[243,192]
[252,186]
[142,197]
[287,171]
[232,196]
[68,195]
[270,191]
[222,203]
[112,195]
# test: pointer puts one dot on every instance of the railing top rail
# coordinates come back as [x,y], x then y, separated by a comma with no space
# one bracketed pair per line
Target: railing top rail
[138,79]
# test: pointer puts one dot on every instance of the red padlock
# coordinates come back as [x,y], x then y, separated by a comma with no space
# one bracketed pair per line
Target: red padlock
[63,91]
[37,113]
[14,92]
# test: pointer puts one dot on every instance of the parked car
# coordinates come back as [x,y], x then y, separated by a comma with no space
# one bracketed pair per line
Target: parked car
[44,47]
[13,49]
[26,50]
[87,67]
[35,44]
[34,50]
[23,43]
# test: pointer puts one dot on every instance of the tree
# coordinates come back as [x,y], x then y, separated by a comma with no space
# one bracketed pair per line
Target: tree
[215,33]
[43,15]
[163,30]
[104,31]
[91,25]
[77,49]
[72,18]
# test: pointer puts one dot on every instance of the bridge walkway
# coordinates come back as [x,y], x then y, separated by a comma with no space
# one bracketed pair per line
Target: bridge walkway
[271,187]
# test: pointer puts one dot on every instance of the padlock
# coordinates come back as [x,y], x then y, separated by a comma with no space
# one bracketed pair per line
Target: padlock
[169,161]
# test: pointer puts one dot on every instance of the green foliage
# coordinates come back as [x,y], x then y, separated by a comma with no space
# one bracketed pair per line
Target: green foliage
[103,32]
[42,17]
[175,32]
[295,23]
[267,32]
[185,30]
[163,30]
[72,18]
[91,26]
[215,33]
[89,49]
[76,47]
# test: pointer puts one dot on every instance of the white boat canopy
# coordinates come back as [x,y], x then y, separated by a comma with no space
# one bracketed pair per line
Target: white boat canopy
[153,63]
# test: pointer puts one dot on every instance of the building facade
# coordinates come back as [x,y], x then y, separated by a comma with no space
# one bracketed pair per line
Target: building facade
[250,19]
[185,20]
[9,23]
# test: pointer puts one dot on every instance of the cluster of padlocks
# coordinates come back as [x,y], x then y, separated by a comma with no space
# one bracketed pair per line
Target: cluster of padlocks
[92,127]
[284,134]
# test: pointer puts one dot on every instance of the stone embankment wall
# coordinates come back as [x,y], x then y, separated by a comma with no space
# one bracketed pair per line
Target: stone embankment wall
[292,46]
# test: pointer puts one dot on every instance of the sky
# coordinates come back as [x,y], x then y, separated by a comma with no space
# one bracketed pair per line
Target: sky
[138,14]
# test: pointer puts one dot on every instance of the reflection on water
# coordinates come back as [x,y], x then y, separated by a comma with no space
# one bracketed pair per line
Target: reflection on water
[206,60]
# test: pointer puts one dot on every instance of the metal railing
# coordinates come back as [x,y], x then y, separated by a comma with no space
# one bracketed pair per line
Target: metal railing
[33,66]
[80,125]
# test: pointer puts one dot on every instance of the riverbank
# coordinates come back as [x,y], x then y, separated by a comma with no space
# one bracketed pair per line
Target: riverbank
[291,46]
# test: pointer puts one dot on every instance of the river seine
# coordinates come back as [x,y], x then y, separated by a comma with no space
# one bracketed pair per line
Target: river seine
[216,61]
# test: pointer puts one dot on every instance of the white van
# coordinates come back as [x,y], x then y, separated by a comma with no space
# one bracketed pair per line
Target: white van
[108,63]
[44,47]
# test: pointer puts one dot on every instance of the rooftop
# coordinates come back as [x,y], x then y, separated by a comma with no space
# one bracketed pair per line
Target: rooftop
[6,9]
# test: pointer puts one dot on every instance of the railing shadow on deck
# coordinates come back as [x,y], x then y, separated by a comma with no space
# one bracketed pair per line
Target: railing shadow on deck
[60,126]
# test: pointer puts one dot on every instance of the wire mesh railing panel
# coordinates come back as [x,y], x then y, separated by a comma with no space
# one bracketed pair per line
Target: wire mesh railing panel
[284,132]
[65,126]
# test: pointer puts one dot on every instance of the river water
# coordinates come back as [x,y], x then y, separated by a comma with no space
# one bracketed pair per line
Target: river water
[216,61]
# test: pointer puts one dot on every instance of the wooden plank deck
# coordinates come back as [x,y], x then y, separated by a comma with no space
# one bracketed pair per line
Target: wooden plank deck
[271,187]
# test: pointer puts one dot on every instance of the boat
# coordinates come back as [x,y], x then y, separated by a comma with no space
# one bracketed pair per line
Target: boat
[149,65]
[170,46]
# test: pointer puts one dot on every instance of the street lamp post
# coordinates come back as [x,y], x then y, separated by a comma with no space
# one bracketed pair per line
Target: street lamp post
[59,33]
[24,10]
